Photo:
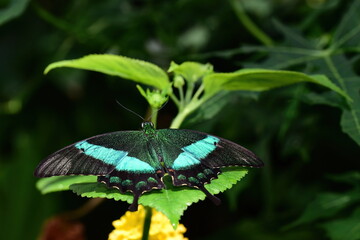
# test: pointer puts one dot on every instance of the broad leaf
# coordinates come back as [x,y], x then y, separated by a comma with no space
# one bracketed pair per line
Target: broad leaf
[128,68]
[346,228]
[340,70]
[172,201]
[298,51]
[61,183]
[347,33]
[327,98]
[326,205]
[262,79]
[99,190]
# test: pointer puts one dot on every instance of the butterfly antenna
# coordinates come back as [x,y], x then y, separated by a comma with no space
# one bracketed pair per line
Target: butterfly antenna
[157,110]
[130,110]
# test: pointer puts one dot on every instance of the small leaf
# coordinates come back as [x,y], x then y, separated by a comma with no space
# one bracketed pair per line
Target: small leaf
[262,80]
[191,71]
[61,183]
[346,228]
[172,201]
[154,97]
[128,68]
[326,205]
[178,81]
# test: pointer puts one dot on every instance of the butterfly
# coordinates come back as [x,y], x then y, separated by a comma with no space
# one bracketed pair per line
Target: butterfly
[137,161]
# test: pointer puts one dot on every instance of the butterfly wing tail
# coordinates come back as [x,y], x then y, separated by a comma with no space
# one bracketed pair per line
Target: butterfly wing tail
[214,199]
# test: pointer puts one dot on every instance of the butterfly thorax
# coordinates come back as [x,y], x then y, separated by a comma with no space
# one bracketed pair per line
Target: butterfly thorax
[148,129]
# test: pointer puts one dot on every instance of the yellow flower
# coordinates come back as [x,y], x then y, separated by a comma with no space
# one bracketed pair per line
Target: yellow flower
[130,227]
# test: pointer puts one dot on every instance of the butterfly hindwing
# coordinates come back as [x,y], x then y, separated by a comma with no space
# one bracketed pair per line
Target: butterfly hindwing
[137,183]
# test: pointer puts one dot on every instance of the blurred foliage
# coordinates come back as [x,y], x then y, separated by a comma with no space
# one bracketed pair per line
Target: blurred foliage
[295,129]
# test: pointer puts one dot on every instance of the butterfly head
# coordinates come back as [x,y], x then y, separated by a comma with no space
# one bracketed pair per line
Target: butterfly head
[148,128]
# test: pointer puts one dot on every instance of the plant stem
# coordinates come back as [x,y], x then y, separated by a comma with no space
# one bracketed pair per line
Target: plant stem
[181,95]
[192,106]
[249,24]
[199,91]
[189,92]
[147,223]
[179,118]
[154,114]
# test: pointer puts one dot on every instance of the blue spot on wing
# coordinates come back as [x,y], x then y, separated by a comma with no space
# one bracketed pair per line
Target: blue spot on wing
[133,164]
[119,159]
[193,153]
[107,155]
[184,160]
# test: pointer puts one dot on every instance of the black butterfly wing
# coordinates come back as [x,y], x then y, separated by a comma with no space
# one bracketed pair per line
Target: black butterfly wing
[73,160]
[125,160]
[194,158]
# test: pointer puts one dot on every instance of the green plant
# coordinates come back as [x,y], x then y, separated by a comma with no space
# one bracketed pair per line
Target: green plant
[303,132]
[196,84]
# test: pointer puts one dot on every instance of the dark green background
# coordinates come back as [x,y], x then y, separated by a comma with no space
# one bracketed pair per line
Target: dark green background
[301,144]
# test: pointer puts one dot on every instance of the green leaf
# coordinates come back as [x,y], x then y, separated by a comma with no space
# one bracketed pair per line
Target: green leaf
[191,71]
[15,9]
[346,228]
[262,80]
[298,50]
[352,178]
[326,205]
[341,70]
[99,190]
[154,97]
[61,183]
[347,33]
[172,201]
[213,106]
[128,68]
[327,98]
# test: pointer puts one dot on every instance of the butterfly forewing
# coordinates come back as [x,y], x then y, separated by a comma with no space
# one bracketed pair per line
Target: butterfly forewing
[87,157]
[185,148]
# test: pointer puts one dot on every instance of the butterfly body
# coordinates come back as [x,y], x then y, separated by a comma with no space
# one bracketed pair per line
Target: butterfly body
[137,161]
